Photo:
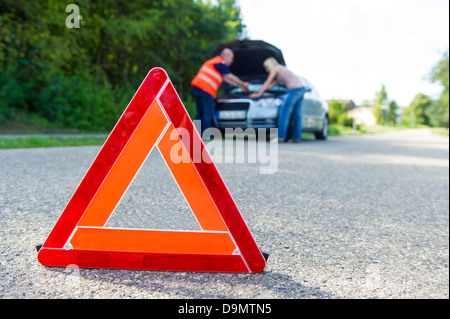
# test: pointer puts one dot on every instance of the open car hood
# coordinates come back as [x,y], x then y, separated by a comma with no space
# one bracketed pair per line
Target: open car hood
[249,57]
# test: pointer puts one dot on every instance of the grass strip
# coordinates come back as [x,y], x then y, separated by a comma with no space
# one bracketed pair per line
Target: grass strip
[43,141]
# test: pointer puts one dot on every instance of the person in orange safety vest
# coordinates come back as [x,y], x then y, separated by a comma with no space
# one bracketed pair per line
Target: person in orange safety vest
[206,83]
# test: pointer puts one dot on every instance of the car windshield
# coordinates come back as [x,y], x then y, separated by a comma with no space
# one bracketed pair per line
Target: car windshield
[256,87]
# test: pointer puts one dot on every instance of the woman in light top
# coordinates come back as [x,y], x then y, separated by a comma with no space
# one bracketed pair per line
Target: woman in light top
[279,74]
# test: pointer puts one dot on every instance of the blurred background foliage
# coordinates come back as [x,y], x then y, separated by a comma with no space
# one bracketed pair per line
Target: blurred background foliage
[82,78]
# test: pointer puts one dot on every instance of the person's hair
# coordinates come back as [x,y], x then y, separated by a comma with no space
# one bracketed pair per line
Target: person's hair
[270,63]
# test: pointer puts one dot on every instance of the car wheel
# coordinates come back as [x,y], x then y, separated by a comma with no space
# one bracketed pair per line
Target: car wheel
[323,134]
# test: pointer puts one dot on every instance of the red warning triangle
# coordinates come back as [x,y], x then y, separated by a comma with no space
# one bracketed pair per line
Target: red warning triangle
[154,119]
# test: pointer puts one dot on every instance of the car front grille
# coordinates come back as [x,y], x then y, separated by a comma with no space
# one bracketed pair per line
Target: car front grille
[232,106]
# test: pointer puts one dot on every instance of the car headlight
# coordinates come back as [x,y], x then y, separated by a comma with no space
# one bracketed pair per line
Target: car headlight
[269,102]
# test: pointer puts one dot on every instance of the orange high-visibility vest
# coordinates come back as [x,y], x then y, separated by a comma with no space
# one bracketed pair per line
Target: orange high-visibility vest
[208,78]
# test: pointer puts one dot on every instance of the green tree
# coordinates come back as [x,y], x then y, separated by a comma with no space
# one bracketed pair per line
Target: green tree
[336,111]
[417,112]
[393,107]
[381,99]
[84,77]
[438,112]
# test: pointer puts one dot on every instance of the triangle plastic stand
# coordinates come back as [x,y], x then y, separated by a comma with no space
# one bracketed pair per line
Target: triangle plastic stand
[155,118]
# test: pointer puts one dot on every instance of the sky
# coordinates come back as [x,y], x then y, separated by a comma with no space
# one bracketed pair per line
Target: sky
[349,48]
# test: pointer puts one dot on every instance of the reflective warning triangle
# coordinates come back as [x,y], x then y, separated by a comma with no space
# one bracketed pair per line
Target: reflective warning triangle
[154,119]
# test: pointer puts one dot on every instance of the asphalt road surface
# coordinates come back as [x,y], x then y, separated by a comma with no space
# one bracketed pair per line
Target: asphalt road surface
[351,217]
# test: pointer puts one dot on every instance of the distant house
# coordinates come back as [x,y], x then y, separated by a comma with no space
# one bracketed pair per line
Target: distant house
[363,115]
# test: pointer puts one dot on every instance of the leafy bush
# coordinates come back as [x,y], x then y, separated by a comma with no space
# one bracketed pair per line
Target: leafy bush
[79,102]
[12,94]
[338,114]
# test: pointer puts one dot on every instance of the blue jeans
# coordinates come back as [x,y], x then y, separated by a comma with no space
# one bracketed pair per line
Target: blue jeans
[292,103]
[205,108]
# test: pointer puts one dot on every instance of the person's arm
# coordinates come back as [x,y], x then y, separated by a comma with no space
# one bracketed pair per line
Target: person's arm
[270,83]
[235,81]
[230,78]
